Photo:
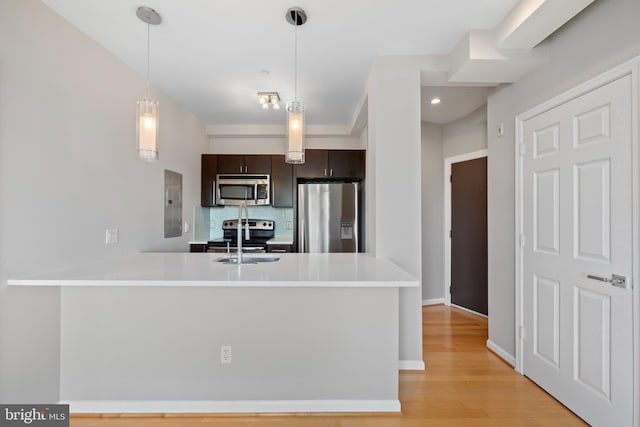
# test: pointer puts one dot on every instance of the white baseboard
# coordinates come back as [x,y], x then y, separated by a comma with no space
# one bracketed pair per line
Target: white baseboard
[433,301]
[411,365]
[459,307]
[501,353]
[221,407]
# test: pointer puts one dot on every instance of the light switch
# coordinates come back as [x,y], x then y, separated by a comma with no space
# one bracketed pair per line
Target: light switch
[111,236]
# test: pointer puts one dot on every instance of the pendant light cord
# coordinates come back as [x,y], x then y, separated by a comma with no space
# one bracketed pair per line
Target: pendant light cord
[295,57]
[148,47]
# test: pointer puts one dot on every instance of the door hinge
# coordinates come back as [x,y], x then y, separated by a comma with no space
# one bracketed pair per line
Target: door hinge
[450,233]
[450,178]
[523,149]
[521,332]
[523,240]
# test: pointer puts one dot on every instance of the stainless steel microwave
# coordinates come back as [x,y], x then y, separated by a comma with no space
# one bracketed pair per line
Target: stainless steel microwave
[232,189]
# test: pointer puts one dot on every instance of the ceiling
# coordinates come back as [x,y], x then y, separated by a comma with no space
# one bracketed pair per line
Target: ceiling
[210,55]
[455,102]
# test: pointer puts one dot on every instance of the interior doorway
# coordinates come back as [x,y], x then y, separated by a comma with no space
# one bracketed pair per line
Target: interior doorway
[466,262]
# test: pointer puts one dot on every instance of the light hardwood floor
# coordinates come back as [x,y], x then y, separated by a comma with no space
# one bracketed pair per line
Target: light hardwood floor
[464,385]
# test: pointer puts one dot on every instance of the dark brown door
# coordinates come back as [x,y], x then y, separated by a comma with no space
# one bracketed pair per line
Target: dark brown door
[469,234]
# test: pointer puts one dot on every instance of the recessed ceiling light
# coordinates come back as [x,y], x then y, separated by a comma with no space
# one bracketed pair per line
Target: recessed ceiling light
[435,101]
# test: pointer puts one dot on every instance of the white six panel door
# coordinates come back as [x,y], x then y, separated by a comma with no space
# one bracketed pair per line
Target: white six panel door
[577,219]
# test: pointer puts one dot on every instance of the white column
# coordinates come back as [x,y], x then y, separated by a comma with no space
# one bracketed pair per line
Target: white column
[394,195]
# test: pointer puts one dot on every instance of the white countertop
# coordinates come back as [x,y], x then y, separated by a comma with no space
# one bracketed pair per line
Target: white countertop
[201,269]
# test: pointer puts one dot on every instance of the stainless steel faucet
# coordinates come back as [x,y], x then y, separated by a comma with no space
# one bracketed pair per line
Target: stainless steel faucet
[243,204]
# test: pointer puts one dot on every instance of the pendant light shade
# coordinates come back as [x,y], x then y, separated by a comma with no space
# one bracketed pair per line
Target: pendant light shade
[295,110]
[147,121]
[147,129]
[295,132]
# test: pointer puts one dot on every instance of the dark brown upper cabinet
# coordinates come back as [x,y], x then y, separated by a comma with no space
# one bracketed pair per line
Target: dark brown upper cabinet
[316,164]
[332,164]
[209,169]
[347,163]
[281,182]
[232,163]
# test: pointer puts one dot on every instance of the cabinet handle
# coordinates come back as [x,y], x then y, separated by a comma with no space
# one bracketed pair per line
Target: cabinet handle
[246,169]
[330,172]
[325,172]
[279,250]
[240,169]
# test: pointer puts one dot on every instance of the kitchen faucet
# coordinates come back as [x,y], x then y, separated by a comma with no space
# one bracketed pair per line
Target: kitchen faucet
[243,204]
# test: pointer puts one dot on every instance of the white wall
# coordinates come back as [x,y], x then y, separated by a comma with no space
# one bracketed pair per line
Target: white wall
[604,35]
[69,169]
[462,136]
[465,135]
[432,212]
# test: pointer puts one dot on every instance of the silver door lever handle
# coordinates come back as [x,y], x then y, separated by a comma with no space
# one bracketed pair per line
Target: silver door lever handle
[615,280]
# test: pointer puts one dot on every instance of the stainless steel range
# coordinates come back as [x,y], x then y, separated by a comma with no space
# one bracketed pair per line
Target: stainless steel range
[260,231]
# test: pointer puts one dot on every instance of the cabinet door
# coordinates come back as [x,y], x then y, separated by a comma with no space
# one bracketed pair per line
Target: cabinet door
[197,247]
[281,182]
[208,171]
[279,248]
[347,163]
[315,165]
[230,163]
[257,164]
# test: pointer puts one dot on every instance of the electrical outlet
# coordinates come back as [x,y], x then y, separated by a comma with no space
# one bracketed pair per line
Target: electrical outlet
[289,225]
[186,227]
[225,354]
[111,236]
[501,129]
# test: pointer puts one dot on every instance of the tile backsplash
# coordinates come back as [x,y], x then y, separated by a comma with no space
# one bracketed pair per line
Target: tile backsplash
[208,221]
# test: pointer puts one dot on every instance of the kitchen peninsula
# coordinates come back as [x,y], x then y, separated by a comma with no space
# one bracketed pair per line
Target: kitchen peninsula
[181,332]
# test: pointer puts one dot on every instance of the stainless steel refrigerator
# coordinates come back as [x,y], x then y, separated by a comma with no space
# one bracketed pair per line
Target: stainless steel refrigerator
[328,217]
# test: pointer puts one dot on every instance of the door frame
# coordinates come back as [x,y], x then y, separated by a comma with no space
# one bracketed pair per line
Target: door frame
[631,68]
[448,161]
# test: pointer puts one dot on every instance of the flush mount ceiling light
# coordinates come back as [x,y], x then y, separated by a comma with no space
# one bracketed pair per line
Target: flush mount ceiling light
[269,100]
[295,110]
[147,109]
[435,101]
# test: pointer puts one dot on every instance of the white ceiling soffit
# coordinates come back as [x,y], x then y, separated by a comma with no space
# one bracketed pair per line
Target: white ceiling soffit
[531,21]
[514,47]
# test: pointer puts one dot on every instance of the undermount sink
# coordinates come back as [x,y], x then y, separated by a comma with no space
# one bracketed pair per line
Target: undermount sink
[248,259]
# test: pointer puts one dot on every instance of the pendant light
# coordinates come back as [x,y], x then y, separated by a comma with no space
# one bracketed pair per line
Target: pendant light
[147,109]
[295,109]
